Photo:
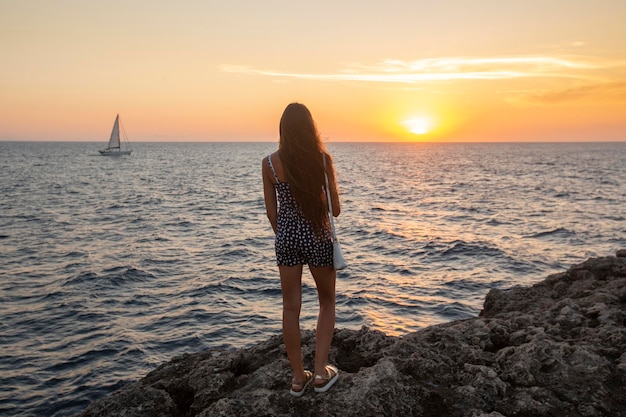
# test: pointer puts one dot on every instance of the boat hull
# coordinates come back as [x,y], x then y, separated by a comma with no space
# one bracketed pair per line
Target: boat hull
[107,152]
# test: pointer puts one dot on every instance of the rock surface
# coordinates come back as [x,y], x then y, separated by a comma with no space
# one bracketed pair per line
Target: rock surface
[557,348]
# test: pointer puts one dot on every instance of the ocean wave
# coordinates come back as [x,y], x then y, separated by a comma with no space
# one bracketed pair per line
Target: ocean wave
[462,248]
[455,311]
[558,232]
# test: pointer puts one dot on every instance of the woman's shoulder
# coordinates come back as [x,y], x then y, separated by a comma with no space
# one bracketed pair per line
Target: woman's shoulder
[272,155]
[273,165]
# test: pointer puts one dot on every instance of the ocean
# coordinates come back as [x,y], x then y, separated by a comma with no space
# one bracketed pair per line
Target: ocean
[112,266]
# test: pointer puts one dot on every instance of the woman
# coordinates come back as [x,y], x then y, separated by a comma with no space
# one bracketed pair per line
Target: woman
[295,201]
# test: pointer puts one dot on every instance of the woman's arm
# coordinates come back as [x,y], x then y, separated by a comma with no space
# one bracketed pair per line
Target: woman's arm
[332,184]
[269,195]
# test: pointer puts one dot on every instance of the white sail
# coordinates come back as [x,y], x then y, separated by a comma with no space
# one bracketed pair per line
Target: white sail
[114,141]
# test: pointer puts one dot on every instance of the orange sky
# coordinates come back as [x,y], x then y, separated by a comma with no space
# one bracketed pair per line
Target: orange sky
[456,70]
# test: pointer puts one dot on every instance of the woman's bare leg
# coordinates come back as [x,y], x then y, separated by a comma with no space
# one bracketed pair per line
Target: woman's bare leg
[291,284]
[325,277]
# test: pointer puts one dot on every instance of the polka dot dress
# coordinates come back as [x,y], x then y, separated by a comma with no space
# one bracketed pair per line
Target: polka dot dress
[296,243]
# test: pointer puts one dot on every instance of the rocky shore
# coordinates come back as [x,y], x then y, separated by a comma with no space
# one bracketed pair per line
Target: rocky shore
[557,348]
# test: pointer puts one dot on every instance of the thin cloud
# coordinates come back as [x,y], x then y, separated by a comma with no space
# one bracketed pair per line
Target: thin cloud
[441,69]
[611,91]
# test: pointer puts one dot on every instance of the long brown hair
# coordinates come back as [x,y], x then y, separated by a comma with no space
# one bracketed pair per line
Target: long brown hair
[301,151]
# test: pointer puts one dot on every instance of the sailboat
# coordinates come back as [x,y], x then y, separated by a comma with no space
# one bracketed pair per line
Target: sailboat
[115,147]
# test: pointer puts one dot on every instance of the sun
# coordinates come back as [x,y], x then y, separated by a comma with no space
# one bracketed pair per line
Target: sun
[419,125]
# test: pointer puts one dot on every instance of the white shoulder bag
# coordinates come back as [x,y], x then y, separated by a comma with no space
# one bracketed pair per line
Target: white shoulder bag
[338,260]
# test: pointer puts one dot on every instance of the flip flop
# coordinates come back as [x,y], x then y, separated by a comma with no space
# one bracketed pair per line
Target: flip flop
[298,388]
[332,374]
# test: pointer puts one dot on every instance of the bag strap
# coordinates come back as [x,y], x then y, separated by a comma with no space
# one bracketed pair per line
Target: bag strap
[330,204]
